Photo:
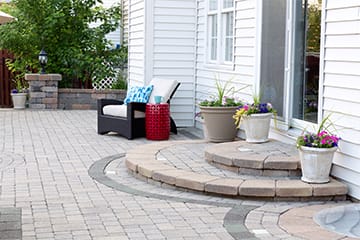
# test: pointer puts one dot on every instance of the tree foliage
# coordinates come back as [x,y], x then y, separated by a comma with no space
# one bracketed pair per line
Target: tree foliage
[314,27]
[62,28]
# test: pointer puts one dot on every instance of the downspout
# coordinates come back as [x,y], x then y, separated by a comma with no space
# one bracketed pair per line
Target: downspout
[195,61]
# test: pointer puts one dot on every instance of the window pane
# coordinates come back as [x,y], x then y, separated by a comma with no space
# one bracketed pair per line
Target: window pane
[229,26]
[228,3]
[213,26]
[213,37]
[213,49]
[213,4]
[229,49]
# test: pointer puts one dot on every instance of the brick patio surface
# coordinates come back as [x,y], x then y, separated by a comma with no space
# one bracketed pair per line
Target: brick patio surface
[59,179]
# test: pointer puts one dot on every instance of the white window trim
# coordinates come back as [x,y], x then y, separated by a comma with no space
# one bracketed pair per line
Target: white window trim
[220,62]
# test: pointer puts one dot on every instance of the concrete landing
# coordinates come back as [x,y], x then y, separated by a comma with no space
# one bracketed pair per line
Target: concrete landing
[145,161]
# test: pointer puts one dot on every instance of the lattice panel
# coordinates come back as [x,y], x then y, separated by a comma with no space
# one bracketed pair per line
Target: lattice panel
[104,83]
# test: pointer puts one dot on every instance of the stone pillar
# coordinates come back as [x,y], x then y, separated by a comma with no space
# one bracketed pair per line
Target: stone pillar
[43,90]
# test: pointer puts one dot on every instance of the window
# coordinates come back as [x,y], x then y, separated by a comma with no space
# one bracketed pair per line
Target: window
[220,31]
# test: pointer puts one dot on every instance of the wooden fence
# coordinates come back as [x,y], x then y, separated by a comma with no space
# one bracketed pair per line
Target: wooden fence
[5,80]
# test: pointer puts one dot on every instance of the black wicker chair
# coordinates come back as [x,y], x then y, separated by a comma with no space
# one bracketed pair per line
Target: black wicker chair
[131,125]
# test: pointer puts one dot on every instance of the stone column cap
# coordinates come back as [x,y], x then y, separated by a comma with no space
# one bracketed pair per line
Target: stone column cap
[43,77]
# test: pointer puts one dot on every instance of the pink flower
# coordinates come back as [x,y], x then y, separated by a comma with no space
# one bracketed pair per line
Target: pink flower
[322,133]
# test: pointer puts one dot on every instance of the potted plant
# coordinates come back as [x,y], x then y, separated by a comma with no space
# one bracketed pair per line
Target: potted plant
[255,118]
[217,114]
[316,152]
[19,94]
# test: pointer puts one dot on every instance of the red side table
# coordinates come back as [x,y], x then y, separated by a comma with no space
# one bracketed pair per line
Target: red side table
[157,121]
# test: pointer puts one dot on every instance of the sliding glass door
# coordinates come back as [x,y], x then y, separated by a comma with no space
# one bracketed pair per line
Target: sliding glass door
[306,56]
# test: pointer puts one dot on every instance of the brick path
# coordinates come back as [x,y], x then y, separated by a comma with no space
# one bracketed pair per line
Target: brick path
[49,155]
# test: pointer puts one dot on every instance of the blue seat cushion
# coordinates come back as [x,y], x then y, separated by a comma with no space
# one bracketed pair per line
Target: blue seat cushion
[138,94]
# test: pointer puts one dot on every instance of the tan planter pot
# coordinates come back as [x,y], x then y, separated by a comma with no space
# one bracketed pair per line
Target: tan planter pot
[19,100]
[316,163]
[257,127]
[219,123]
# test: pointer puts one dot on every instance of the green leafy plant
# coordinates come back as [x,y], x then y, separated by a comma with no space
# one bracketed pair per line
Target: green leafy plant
[20,85]
[224,95]
[321,138]
[62,28]
[120,82]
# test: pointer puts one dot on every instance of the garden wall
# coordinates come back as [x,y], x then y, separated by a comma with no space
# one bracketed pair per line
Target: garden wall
[84,99]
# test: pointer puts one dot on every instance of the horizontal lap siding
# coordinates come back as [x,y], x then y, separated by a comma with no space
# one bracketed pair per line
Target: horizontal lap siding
[125,20]
[242,72]
[342,86]
[136,41]
[173,52]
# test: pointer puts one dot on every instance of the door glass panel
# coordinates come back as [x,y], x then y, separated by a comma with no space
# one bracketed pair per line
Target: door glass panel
[306,59]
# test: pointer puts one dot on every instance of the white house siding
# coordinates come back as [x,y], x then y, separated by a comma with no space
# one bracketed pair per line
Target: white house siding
[243,72]
[173,52]
[136,41]
[125,21]
[169,50]
[341,85]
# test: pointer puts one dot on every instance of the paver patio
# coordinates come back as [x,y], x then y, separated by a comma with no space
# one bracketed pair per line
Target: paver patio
[52,167]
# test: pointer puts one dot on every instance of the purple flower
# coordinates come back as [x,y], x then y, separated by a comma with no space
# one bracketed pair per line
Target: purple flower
[263,108]
[14,91]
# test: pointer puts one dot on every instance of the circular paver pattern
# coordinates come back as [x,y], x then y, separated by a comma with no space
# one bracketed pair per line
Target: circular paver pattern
[343,219]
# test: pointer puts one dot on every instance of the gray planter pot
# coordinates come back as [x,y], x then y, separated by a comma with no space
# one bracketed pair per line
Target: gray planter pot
[19,100]
[316,163]
[219,123]
[257,127]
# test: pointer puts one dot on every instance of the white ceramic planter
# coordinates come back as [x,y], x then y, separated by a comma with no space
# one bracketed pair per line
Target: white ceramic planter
[316,163]
[219,123]
[257,127]
[19,100]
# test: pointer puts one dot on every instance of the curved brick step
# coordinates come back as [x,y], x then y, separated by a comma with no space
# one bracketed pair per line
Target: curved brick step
[143,161]
[273,159]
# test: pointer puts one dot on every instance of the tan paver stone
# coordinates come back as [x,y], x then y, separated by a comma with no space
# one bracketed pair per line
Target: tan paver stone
[140,156]
[146,169]
[225,160]
[168,176]
[329,189]
[293,188]
[227,186]
[257,188]
[131,165]
[249,161]
[227,168]
[194,181]
[319,234]
[281,162]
